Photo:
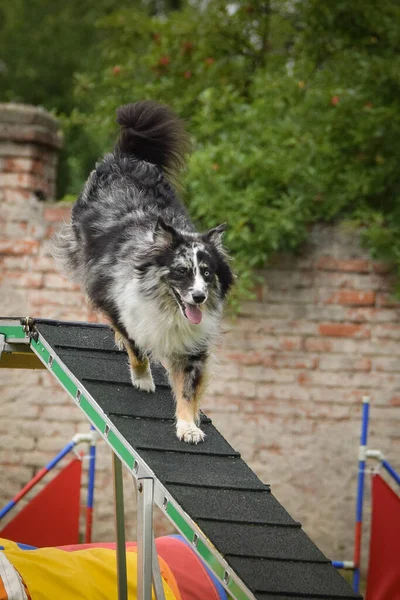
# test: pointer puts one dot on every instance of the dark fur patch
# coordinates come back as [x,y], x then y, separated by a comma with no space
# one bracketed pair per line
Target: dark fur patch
[193,369]
[153,133]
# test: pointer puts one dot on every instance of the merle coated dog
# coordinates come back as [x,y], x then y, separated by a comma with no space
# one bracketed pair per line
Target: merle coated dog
[133,248]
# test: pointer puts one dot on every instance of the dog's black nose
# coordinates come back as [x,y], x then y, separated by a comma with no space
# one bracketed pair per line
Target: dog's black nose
[198,297]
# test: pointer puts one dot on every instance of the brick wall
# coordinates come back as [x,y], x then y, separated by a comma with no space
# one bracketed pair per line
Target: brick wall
[291,372]
[293,368]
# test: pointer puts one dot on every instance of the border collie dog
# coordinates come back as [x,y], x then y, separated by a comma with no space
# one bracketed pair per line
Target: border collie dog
[137,255]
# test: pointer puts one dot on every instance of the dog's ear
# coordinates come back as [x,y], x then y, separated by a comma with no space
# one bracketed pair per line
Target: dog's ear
[165,235]
[216,234]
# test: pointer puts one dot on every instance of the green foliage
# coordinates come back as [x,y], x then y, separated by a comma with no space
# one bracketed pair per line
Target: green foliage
[294,109]
[43,43]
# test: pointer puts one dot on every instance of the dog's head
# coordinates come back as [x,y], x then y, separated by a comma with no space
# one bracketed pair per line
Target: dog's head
[196,267]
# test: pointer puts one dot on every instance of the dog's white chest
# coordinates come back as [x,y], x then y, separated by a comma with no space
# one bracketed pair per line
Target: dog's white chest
[163,331]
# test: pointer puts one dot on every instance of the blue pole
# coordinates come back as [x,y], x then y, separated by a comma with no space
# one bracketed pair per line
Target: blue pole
[386,464]
[360,494]
[90,494]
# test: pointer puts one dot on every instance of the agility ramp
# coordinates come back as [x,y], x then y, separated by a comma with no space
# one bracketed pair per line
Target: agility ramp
[207,491]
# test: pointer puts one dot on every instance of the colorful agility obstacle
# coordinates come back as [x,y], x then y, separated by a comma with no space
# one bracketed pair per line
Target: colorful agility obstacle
[52,506]
[87,571]
[229,518]
[383,575]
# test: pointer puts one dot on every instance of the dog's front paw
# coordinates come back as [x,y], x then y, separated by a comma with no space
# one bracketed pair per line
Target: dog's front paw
[144,383]
[189,432]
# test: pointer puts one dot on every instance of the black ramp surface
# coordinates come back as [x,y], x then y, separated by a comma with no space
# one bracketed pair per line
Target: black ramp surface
[227,505]
[237,512]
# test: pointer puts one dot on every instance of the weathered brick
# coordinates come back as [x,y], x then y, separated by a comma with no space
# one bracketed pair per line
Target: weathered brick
[349,297]
[387,301]
[13,441]
[354,380]
[288,343]
[45,264]
[387,330]
[67,414]
[17,247]
[288,262]
[8,148]
[39,298]
[55,281]
[23,165]
[227,403]
[276,361]
[314,344]
[339,395]
[382,267]
[24,280]
[275,326]
[15,407]
[16,195]
[301,296]
[280,280]
[261,309]
[14,229]
[333,362]
[386,363]
[261,374]
[356,265]
[245,389]
[358,281]
[280,391]
[24,180]
[343,330]
[57,213]
[374,315]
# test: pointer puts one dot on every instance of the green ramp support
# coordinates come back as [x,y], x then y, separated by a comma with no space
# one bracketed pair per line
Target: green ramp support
[228,515]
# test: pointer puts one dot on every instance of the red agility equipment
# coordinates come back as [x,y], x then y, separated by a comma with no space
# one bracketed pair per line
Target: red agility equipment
[384,561]
[52,517]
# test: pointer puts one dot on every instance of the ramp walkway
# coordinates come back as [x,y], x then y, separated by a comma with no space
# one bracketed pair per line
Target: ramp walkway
[231,518]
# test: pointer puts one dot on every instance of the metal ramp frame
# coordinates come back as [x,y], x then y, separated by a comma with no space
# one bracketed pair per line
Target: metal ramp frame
[208,492]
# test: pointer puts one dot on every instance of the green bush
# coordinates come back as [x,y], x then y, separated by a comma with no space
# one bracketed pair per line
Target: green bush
[294,109]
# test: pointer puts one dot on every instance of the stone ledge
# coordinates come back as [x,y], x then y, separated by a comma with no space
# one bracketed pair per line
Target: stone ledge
[26,123]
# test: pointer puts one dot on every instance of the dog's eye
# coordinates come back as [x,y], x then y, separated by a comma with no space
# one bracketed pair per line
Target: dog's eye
[206,273]
[180,270]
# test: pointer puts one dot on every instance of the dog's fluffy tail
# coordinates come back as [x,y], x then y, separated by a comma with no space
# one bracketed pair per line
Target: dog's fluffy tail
[152,132]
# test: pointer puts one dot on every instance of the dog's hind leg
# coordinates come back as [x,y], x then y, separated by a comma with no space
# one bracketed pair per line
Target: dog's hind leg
[141,376]
[188,377]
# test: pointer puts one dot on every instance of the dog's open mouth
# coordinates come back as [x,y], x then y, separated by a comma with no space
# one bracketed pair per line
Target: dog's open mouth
[191,311]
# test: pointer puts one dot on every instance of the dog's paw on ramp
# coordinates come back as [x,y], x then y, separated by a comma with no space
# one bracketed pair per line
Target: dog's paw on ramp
[189,432]
[143,382]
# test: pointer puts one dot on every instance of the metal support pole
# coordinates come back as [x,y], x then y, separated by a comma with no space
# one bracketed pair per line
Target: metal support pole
[148,568]
[120,528]
[157,579]
[144,537]
[343,564]
[360,494]
[90,490]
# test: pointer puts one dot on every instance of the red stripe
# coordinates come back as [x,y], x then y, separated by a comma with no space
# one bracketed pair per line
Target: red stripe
[39,475]
[357,544]
[89,522]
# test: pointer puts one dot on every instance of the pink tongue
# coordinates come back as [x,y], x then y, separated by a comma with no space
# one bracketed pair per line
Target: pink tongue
[193,313]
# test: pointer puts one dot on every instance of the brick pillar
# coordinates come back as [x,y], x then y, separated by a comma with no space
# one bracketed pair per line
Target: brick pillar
[29,143]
